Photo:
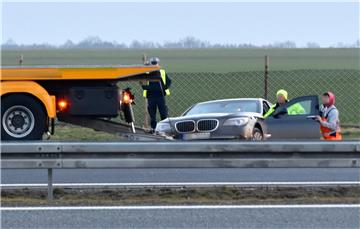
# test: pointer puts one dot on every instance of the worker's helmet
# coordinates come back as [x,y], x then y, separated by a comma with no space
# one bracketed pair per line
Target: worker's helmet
[331,98]
[154,61]
[283,93]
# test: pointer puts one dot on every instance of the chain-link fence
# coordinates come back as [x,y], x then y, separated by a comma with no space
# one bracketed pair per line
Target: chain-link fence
[190,88]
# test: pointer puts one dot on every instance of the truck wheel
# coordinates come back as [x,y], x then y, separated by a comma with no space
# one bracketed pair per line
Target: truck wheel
[257,134]
[22,118]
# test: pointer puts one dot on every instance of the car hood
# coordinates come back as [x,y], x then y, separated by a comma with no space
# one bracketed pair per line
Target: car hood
[212,116]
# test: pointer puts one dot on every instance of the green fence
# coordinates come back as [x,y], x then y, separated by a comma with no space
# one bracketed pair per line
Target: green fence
[189,88]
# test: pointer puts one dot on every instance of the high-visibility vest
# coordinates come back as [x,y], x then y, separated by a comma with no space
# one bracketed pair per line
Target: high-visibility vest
[329,134]
[163,78]
[295,109]
[270,111]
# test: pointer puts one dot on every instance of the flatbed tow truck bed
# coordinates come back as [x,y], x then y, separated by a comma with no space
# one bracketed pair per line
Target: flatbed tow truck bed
[34,96]
[74,72]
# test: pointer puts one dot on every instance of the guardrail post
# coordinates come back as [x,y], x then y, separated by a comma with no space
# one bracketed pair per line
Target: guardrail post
[50,184]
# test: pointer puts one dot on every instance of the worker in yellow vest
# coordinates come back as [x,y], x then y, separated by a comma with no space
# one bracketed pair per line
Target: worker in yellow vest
[282,98]
[155,92]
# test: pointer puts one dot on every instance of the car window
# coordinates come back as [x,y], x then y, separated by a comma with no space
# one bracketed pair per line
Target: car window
[233,106]
[266,107]
[300,108]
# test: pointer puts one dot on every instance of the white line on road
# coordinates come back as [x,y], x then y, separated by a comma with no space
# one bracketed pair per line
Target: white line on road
[189,207]
[189,184]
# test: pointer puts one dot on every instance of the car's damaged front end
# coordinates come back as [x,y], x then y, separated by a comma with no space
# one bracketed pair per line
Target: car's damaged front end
[209,126]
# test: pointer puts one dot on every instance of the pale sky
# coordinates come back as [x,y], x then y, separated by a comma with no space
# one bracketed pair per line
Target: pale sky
[233,22]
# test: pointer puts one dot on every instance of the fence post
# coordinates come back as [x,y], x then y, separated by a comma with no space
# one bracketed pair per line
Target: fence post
[266,77]
[21,60]
[146,116]
[50,184]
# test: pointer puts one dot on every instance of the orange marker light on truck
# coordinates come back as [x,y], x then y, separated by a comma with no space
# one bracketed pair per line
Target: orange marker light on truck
[126,98]
[62,104]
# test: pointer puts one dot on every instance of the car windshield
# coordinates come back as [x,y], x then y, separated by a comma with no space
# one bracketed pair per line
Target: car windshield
[229,106]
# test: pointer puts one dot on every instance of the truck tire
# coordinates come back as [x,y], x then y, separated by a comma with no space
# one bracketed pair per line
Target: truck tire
[22,118]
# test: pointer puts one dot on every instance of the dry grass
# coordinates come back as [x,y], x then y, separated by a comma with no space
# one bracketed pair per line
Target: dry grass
[216,195]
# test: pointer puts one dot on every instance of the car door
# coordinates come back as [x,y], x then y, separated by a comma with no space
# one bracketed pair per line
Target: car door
[284,124]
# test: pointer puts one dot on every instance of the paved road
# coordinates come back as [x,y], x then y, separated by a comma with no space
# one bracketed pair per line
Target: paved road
[322,217]
[15,176]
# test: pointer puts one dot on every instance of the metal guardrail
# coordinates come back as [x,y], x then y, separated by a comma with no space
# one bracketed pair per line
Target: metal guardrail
[255,184]
[220,154]
[199,154]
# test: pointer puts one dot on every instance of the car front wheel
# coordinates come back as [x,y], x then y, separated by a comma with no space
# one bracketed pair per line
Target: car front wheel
[257,134]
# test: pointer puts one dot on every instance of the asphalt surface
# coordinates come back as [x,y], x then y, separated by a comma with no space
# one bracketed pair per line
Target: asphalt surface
[185,218]
[26,176]
[292,217]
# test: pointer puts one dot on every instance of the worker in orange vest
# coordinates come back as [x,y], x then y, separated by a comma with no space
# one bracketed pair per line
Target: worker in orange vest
[329,119]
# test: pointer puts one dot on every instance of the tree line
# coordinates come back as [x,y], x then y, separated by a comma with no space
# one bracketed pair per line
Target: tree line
[94,42]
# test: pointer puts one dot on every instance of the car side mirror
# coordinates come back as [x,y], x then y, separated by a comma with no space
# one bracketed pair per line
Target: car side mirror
[279,112]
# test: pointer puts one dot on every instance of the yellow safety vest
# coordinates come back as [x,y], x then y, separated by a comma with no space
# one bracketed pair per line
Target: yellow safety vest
[295,109]
[163,78]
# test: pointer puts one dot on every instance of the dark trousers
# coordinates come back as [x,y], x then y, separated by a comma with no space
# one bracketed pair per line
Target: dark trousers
[157,103]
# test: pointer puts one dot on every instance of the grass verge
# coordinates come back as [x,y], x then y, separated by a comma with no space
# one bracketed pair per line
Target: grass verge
[170,196]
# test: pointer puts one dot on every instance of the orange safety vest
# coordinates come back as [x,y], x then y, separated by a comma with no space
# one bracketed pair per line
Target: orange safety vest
[329,134]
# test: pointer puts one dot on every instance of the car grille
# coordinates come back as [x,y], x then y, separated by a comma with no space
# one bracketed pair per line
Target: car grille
[185,126]
[207,125]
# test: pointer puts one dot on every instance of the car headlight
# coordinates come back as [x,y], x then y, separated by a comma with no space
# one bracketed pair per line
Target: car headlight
[236,121]
[162,127]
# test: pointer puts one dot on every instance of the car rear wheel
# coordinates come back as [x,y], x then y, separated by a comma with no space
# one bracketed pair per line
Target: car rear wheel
[257,134]
[22,118]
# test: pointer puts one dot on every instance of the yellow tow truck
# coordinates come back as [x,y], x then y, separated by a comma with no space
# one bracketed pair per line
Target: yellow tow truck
[33,97]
